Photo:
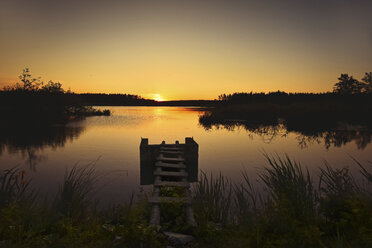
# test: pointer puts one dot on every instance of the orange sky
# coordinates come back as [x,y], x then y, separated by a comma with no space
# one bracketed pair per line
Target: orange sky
[186,49]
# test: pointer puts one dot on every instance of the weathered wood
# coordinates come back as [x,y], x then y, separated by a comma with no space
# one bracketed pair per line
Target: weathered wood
[155,215]
[150,152]
[177,157]
[162,158]
[160,199]
[171,152]
[172,183]
[190,216]
[174,149]
[171,173]
[169,165]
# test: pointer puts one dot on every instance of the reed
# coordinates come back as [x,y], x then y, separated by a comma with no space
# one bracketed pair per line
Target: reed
[73,198]
[283,210]
[288,184]
[13,186]
[212,198]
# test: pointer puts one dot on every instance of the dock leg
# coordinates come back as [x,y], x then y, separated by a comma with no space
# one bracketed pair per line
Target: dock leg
[155,215]
[189,212]
[190,216]
[155,210]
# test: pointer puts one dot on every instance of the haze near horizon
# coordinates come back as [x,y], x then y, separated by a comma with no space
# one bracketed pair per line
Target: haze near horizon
[169,50]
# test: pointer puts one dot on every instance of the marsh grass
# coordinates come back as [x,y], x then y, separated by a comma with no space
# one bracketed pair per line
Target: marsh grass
[247,200]
[212,198]
[283,210]
[13,186]
[74,196]
[288,185]
[72,219]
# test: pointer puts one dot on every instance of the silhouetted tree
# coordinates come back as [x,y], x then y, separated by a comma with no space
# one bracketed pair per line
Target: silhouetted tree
[28,83]
[52,87]
[347,85]
[367,79]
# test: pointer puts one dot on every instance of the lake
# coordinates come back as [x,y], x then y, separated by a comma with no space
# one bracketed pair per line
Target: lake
[112,144]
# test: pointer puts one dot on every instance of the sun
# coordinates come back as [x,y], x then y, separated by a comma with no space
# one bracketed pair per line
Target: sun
[157,97]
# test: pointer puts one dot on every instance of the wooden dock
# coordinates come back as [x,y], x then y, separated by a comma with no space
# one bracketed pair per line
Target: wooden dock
[170,165]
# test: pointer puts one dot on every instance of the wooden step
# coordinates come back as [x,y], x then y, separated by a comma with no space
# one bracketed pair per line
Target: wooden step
[172,152]
[172,145]
[171,149]
[171,173]
[160,199]
[168,165]
[172,183]
[162,158]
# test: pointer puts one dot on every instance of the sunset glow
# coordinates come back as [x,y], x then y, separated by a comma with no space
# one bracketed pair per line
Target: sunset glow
[186,49]
[157,97]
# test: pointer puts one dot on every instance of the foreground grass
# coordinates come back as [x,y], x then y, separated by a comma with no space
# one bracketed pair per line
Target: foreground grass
[291,209]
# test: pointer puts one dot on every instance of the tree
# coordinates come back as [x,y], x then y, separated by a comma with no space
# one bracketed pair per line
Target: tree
[347,85]
[28,83]
[367,79]
[52,87]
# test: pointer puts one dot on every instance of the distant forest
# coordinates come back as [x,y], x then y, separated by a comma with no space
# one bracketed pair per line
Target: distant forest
[347,89]
[350,103]
[92,99]
[113,99]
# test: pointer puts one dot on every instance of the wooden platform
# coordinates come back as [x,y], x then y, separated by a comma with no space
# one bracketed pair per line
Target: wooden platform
[169,169]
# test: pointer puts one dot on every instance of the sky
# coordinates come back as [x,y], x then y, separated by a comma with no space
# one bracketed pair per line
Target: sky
[194,49]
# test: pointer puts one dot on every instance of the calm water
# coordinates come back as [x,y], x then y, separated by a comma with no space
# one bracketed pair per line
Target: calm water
[112,143]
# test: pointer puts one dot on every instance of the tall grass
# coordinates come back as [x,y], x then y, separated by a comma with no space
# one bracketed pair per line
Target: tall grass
[13,186]
[73,198]
[247,200]
[336,182]
[283,210]
[289,187]
[72,219]
[212,198]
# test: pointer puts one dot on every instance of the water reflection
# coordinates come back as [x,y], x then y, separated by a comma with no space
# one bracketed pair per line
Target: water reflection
[336,137]
[114,139]
[29,141]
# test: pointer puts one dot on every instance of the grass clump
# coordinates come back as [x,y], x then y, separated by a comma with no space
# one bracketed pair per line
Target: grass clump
[73,219]
[287,208]
[73,197]
[13,186]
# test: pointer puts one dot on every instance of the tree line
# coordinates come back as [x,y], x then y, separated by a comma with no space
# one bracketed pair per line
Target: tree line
[32,101]
[349,85]
[346,89]
[30,85]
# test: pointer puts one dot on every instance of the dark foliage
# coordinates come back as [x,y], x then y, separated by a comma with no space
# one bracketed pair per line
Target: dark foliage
[35,103]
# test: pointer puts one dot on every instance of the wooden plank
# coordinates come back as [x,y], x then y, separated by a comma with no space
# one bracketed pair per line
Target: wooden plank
[172,183]
[172,152]
[172,145]
[162,158]
[171,173]
[169,165]
[171,149]
[160,199]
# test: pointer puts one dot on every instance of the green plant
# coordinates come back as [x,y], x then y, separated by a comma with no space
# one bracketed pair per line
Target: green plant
[73,197]
[288,185]
[212,198]
[13,186]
